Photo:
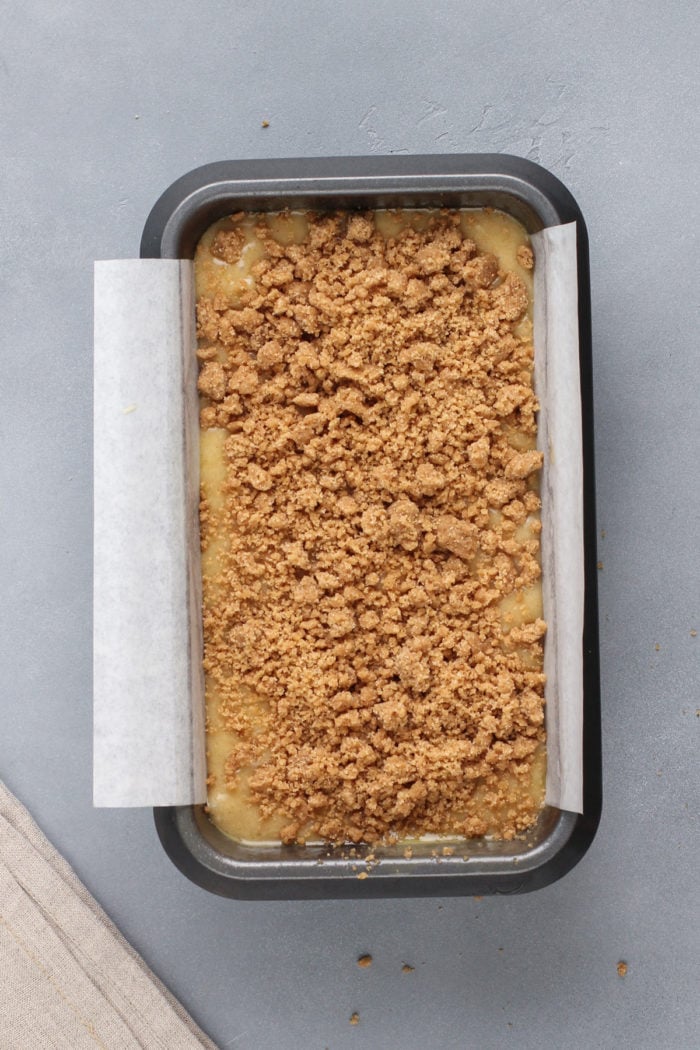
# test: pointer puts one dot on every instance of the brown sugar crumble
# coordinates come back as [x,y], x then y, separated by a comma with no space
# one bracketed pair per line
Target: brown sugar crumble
[525,257]
[378,531]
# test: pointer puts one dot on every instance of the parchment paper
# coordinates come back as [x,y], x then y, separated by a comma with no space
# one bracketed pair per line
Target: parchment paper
[557,384]
[148,679]
[149,705]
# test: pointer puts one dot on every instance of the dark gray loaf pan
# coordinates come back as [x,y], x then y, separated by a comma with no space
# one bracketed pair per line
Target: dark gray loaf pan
[560,838]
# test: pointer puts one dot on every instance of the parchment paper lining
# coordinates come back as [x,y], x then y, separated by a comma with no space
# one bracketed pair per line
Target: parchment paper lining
[557,382]
[148,681]
[149,744]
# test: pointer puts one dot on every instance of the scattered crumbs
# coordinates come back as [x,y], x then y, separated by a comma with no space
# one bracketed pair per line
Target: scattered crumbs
[622,968]
[354,1018]
[478,898]
[693,634]
[407,969]
[369,858]
[599,565]
[697,712]
[129,408]
[408,853]
[353,867]
[602,534]
[363,875]
[266,124]
[364,961]
[447,851]
[657,647]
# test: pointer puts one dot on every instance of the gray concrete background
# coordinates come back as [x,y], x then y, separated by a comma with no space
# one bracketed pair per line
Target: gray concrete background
[101,107]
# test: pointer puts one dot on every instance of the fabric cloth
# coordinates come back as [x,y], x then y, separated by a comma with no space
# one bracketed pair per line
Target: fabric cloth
[68,979]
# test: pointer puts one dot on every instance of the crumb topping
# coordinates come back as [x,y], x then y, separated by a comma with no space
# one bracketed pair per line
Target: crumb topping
[380,529]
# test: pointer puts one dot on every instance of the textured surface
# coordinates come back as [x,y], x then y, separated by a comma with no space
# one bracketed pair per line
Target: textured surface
[68,979]
[101,111]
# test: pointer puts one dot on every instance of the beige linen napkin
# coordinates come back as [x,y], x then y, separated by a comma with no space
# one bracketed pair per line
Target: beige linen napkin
[68,979]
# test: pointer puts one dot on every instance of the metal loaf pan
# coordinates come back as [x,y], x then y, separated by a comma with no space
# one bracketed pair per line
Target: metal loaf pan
[559,839]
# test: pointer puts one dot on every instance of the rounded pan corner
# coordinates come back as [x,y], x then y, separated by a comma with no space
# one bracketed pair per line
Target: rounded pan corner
[173,197]
[567,857]
[185,857]
[547,183]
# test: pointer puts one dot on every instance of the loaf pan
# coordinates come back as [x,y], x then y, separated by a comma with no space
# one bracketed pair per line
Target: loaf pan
[559,838]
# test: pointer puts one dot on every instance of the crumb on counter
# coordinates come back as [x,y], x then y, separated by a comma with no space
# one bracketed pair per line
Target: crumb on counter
[622,968]
[354,1018]
[364,961]
[407,969]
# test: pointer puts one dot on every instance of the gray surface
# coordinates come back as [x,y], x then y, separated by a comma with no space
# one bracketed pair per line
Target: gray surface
[102,107]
